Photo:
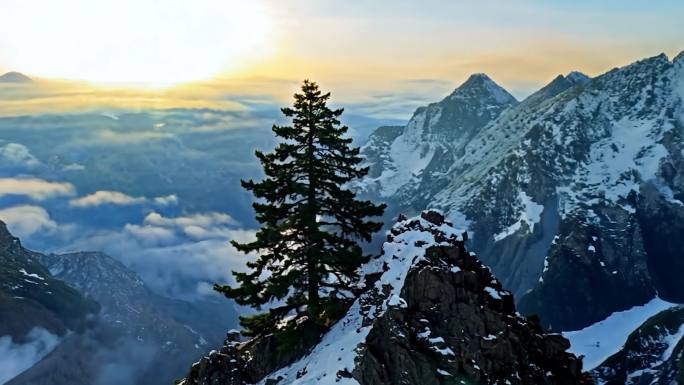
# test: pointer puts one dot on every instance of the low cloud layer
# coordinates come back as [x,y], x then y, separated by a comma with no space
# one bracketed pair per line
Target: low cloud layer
[175,255]
[179,256]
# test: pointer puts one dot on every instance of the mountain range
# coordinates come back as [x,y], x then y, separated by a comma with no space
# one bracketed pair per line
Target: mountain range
[93,321]
[579,181]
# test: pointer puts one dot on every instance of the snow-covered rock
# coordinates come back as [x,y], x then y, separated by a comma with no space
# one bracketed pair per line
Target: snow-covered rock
[431,313]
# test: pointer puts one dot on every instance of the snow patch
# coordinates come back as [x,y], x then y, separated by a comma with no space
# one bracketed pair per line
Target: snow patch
[31,275]
[531,214]
[492,292]
[601,340]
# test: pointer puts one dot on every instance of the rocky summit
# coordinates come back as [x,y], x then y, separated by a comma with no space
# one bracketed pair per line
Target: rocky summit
[430,313]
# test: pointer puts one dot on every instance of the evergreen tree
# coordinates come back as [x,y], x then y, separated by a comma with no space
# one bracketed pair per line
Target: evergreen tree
[307,250]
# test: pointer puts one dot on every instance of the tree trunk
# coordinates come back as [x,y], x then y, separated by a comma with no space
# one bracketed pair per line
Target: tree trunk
[312,257]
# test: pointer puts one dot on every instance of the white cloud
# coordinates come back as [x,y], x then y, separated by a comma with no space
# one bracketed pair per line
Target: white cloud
[26,220]
[18,154]
[151,236]
[106,197]
[103,197]
[73,167]
[37,189]
[168,200]
[15,358]
[174,254]
[204,220]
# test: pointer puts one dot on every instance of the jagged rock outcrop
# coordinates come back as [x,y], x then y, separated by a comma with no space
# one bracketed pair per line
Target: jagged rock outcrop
[431,313]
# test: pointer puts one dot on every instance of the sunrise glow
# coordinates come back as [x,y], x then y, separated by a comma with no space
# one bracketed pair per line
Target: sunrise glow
[129,41]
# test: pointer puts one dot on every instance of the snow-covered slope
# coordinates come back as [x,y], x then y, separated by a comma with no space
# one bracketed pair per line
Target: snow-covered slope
[653,353]
[573,194]
[431,314]
[605,338]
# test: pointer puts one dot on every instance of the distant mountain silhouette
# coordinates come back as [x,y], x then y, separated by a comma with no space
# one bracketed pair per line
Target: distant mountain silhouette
[15,77]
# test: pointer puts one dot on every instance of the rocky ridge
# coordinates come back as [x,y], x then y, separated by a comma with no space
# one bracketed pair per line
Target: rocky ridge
[430,313]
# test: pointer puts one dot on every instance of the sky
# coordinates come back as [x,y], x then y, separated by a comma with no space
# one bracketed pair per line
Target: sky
[355,46]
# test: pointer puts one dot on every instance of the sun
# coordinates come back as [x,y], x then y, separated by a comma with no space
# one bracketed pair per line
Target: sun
[155,42]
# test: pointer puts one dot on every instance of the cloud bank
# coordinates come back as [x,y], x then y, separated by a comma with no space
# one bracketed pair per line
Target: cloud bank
[36,189]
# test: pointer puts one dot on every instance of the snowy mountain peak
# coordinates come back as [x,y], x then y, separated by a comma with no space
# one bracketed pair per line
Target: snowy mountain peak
[434,138]
[577,77]
[480,86]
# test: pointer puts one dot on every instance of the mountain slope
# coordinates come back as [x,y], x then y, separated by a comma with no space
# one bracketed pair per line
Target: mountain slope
[431,314]
[653,353]
[29,292]
[37,311]
[146,336]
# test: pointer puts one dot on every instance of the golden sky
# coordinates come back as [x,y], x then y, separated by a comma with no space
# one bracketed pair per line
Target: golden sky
[176,52]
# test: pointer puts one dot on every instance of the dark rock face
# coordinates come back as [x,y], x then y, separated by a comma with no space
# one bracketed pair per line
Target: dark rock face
[653,354]
[239,364]
[452,323]
[591,267]
[460,325]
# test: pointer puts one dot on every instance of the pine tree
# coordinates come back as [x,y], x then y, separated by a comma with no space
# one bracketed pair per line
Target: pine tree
[307,248]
